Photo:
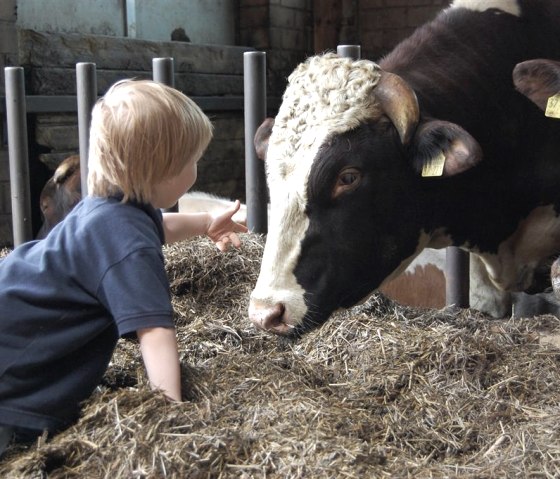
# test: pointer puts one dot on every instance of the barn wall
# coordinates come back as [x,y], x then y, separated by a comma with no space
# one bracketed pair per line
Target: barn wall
[104,17]
[383,23]
[283,29]
[288,30]
[200,71]
[144,19]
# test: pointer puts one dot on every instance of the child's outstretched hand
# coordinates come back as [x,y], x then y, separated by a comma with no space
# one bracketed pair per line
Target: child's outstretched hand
[223,230]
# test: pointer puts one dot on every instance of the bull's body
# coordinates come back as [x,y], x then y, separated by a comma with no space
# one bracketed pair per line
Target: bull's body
[539,80]
[350,208]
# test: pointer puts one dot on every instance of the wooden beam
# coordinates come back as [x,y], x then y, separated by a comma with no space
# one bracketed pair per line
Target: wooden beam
[327,17]
[68,104]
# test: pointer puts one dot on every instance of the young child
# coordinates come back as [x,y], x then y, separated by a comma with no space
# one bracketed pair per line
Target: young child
[99,274]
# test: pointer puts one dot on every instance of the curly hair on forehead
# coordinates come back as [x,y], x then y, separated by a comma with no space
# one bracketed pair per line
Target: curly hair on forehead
[326,95]
[143,132]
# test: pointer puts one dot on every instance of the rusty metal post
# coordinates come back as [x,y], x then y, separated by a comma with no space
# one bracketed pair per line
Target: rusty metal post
[254,84]
[457,277]
[16,114]
[86,90]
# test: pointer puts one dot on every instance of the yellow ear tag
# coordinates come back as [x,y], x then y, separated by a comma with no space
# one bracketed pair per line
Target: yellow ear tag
[553,106]
[434,167]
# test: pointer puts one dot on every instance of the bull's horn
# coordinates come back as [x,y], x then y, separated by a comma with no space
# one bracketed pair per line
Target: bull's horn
[399,103]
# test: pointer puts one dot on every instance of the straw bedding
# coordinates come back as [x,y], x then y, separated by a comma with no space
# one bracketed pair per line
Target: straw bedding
[379,391]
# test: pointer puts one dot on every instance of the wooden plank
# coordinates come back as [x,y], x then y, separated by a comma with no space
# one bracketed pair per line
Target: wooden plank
[67,103]
[48,104]
[326,20]
[62,81]
[61,135]
[60,132]
[47,49]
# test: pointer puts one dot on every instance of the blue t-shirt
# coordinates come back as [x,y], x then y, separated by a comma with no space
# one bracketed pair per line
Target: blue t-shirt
[66,299]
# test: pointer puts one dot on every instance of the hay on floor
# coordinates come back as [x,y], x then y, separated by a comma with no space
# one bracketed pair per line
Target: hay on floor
[379,391]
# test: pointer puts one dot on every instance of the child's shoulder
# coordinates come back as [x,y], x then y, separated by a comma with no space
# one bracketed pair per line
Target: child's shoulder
[111,216]
[95,207]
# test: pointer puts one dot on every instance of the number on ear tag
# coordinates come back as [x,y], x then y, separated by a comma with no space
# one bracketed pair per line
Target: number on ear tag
[434,167]
[553,106]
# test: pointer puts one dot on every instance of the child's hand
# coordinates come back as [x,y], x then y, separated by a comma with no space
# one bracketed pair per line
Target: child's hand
[223,230]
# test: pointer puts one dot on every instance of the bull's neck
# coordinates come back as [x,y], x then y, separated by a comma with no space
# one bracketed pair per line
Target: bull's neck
[472,209]
[455,73]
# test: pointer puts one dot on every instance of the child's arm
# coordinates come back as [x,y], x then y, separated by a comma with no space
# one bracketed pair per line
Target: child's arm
[221,228]
[161,359]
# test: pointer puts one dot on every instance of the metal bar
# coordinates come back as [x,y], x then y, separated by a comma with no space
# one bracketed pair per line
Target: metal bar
[18,154]
[349,51]
[86,84]
[457,277]
[164,72]
[254,87]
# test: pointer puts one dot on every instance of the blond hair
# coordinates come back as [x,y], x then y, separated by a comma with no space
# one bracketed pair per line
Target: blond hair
[142,132]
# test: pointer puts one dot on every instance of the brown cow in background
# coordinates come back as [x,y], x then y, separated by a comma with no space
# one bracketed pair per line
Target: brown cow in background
[538,80]
[60,194]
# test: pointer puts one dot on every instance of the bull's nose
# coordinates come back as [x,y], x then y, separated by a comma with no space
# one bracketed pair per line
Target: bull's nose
[269,318]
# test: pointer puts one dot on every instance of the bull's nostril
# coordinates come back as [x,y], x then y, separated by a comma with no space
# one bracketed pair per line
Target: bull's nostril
[268,317]
[274,317]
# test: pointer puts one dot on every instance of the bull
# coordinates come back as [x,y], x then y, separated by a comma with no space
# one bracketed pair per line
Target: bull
[539,80]
[368,164]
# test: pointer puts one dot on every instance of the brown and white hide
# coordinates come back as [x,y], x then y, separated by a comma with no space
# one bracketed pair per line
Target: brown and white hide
[60,194]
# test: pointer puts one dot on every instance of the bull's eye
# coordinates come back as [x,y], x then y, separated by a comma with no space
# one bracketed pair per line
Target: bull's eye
[348,180]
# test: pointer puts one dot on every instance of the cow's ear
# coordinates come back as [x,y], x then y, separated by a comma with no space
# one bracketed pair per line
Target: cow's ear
[261,137]
[538,80]
[441,148]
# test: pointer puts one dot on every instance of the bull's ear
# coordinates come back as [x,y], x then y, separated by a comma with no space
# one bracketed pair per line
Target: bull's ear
[538,80]
[66,169]
[441,148]
[261,137]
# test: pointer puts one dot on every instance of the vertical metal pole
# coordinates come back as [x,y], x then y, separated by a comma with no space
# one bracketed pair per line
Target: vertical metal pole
[349,51]
[164,72]
[457,277]
[254,91]
[86,88]
[16,113]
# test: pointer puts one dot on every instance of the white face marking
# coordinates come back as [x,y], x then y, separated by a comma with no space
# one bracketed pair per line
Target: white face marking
[326,95]
[537,237]
[507,6]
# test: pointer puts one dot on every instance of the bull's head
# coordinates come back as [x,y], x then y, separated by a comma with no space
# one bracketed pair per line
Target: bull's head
[343,157]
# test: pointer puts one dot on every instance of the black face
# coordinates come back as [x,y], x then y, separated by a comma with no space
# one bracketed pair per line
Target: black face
[364,207]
